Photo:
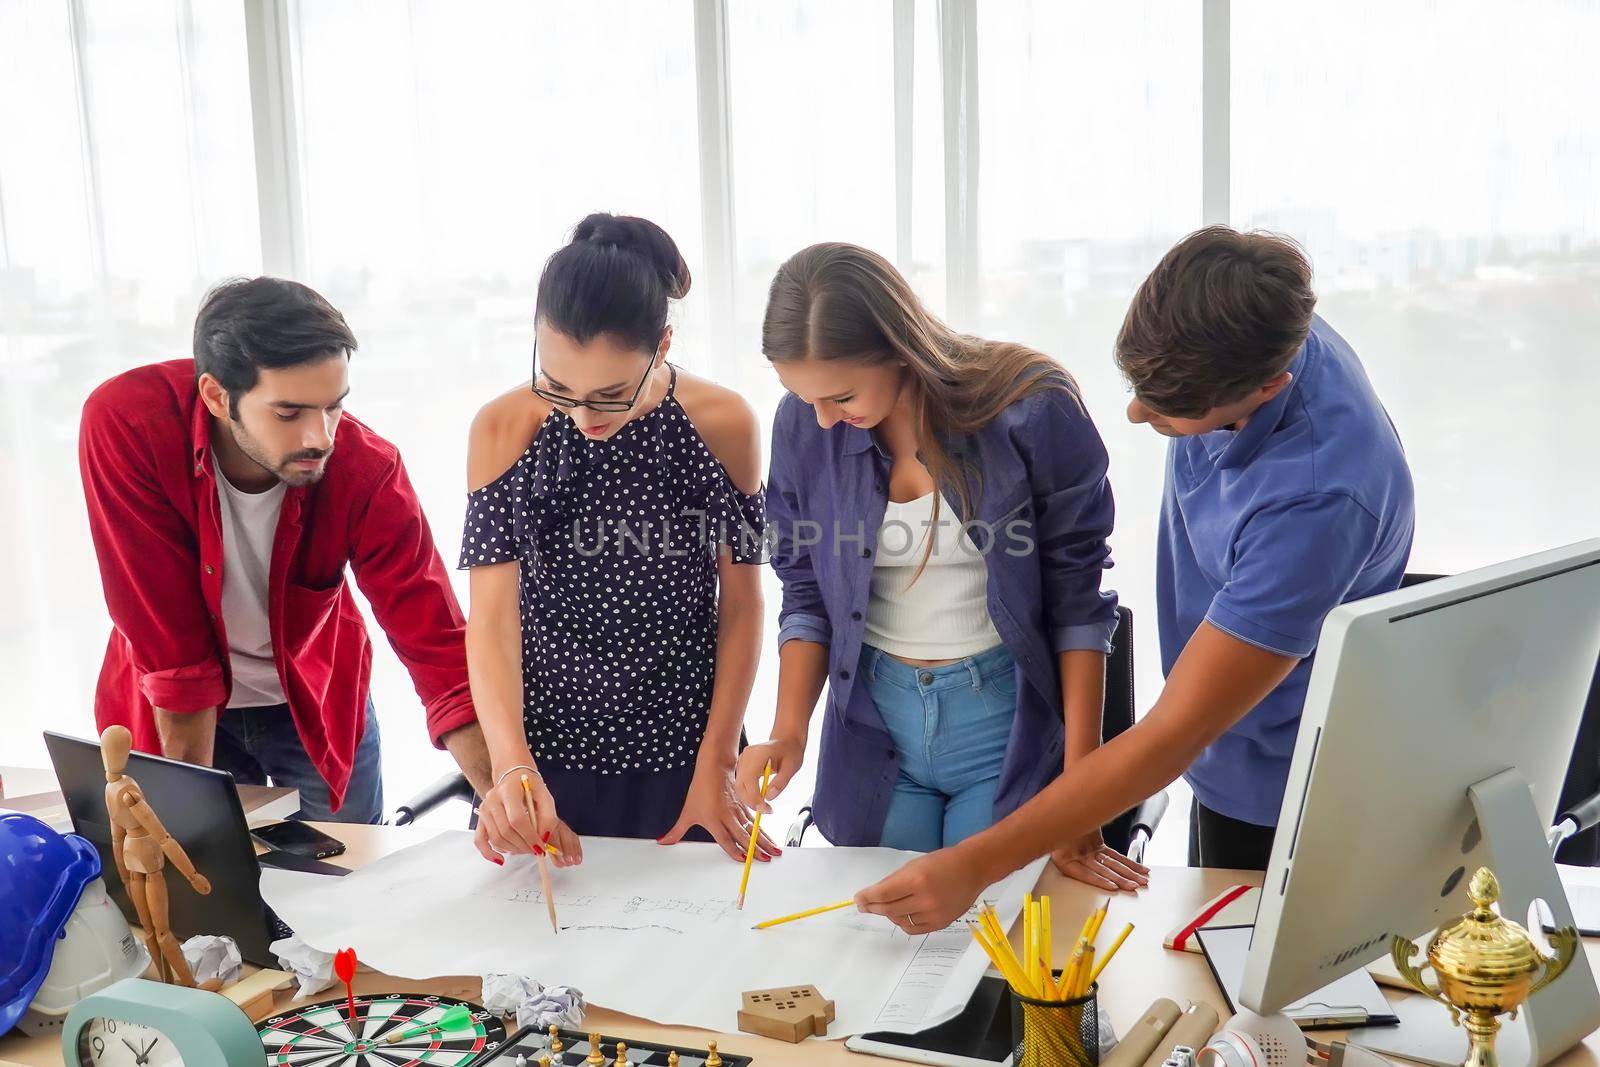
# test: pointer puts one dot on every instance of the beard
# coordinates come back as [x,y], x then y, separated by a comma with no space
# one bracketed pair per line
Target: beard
[281,468]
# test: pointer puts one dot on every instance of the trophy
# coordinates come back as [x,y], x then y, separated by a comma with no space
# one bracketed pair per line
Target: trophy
[1487,966]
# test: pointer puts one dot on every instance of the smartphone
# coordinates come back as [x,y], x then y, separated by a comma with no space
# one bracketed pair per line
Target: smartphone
[979,1037]
[299,839]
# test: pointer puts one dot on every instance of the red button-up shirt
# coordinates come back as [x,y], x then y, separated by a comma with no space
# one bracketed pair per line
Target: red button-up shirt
[145,455]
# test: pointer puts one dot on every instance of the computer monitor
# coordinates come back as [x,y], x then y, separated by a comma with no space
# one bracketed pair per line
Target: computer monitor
[1438,724]
[200,807]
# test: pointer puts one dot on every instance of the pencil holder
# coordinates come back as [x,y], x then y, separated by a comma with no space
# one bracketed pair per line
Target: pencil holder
[1055,1033]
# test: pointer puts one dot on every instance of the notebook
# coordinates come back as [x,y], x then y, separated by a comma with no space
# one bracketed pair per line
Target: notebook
[1354,1000]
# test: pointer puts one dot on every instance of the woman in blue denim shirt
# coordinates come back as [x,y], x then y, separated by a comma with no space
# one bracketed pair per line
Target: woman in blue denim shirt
[938,509]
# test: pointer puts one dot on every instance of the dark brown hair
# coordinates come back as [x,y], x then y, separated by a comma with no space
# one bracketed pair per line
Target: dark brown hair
[1222,314]
[841,301]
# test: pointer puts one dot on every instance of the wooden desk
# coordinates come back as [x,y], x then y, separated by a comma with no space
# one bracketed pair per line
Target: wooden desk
[1143,969]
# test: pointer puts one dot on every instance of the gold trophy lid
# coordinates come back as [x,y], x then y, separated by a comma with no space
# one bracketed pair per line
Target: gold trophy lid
[1482,946]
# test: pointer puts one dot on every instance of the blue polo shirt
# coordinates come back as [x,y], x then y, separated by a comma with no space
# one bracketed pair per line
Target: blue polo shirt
[1266,530]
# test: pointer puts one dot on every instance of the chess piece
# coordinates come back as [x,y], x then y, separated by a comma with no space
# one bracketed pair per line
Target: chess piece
[596,1057]
[712,1059]
[672,1058]
[522,1061]
[544,1061]
[622,1055]
[141,847]
[555,1040]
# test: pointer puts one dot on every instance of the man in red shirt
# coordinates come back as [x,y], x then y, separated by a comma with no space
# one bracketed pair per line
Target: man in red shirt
[223,516]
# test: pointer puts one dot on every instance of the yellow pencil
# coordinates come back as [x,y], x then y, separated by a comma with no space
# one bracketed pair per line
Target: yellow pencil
[1088,927]
[544,864]
[1112,951]
[755,829]
[1030,947]
[1047,948]
[1099,918]
[802,914]
[1000,950]
[1040,946]
[1001,959]
[1069,981]
[1083,973]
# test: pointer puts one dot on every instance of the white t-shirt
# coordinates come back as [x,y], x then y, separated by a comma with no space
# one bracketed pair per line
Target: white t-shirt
[249,524]
[941,612]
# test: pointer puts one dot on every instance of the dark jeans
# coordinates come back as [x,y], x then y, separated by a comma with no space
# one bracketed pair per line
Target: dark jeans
[1218,841]
[255,744]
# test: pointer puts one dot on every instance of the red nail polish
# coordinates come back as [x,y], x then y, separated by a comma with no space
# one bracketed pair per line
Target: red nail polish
[501,860]
[538,851]
[547,835]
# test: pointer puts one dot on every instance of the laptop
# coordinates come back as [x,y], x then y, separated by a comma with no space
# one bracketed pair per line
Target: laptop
[200,807]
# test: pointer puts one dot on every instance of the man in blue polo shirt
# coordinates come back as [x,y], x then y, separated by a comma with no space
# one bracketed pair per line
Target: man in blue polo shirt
[1287,494]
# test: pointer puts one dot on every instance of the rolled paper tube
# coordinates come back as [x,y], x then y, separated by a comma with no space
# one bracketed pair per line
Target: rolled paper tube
[1194,1029]
[1145,1036]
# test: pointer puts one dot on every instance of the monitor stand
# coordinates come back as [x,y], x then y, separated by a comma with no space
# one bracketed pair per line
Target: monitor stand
[1555,1019]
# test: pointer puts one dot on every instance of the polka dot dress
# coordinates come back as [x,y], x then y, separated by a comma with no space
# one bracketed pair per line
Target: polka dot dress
[617,542]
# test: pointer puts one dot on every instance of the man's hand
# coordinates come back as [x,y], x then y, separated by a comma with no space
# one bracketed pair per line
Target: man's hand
[1091,862]
[927,894]
[471,753]
[187,736]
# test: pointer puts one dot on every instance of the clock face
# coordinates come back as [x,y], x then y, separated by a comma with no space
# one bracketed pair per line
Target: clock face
[117,1043]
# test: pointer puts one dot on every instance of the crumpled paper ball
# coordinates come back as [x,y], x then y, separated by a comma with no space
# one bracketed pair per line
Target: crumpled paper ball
[213,958]
[312,967]
[533,1004]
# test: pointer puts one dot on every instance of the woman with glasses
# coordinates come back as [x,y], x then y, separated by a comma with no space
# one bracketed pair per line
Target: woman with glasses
[613,534]
[951,601]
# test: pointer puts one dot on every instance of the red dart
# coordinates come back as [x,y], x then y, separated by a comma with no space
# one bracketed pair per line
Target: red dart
[344,965]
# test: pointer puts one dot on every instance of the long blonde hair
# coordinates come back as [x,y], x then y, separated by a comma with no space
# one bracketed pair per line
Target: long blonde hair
[841,301]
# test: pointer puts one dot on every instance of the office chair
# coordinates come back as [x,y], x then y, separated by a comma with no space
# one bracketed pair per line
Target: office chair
[1131,831]
[1579,805]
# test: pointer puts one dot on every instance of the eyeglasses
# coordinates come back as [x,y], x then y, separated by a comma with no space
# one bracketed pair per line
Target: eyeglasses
[593,405]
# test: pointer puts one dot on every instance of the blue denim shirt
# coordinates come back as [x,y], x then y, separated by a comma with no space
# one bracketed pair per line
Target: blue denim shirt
[1041,498]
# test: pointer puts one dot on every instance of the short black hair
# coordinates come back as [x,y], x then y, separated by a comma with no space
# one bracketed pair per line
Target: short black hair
[249,324]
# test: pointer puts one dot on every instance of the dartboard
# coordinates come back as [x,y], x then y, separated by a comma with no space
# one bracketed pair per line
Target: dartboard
[321,1035]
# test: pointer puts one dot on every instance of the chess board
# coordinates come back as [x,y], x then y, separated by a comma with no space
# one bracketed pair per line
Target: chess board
[532,1044]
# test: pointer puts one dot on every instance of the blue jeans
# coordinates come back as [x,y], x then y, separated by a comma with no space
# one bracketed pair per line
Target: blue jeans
[255,744]
[951,726]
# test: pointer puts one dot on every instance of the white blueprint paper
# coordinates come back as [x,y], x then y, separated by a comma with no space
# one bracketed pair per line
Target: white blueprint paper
[648,930]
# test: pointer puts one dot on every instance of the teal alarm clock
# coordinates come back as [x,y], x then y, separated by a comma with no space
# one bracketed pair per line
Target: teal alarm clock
[135,1023]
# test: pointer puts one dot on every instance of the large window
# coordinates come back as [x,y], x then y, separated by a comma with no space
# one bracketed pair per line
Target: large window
[127,186]
[1024,162]
[1443,175]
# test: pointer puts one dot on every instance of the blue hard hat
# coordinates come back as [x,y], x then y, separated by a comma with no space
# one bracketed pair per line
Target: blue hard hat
[42,875]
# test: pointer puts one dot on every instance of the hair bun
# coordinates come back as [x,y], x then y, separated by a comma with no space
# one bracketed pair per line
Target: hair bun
[640,237]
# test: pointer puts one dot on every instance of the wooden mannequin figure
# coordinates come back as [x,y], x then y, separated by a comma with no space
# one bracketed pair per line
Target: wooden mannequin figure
[142,846]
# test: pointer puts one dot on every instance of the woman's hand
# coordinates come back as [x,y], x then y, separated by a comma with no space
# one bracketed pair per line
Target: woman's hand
[786,755]
[1090,861]
[504,827]
[714,804]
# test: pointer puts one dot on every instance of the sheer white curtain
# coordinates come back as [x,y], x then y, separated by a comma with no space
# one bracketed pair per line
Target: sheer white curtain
[126,187]
[1025,162]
